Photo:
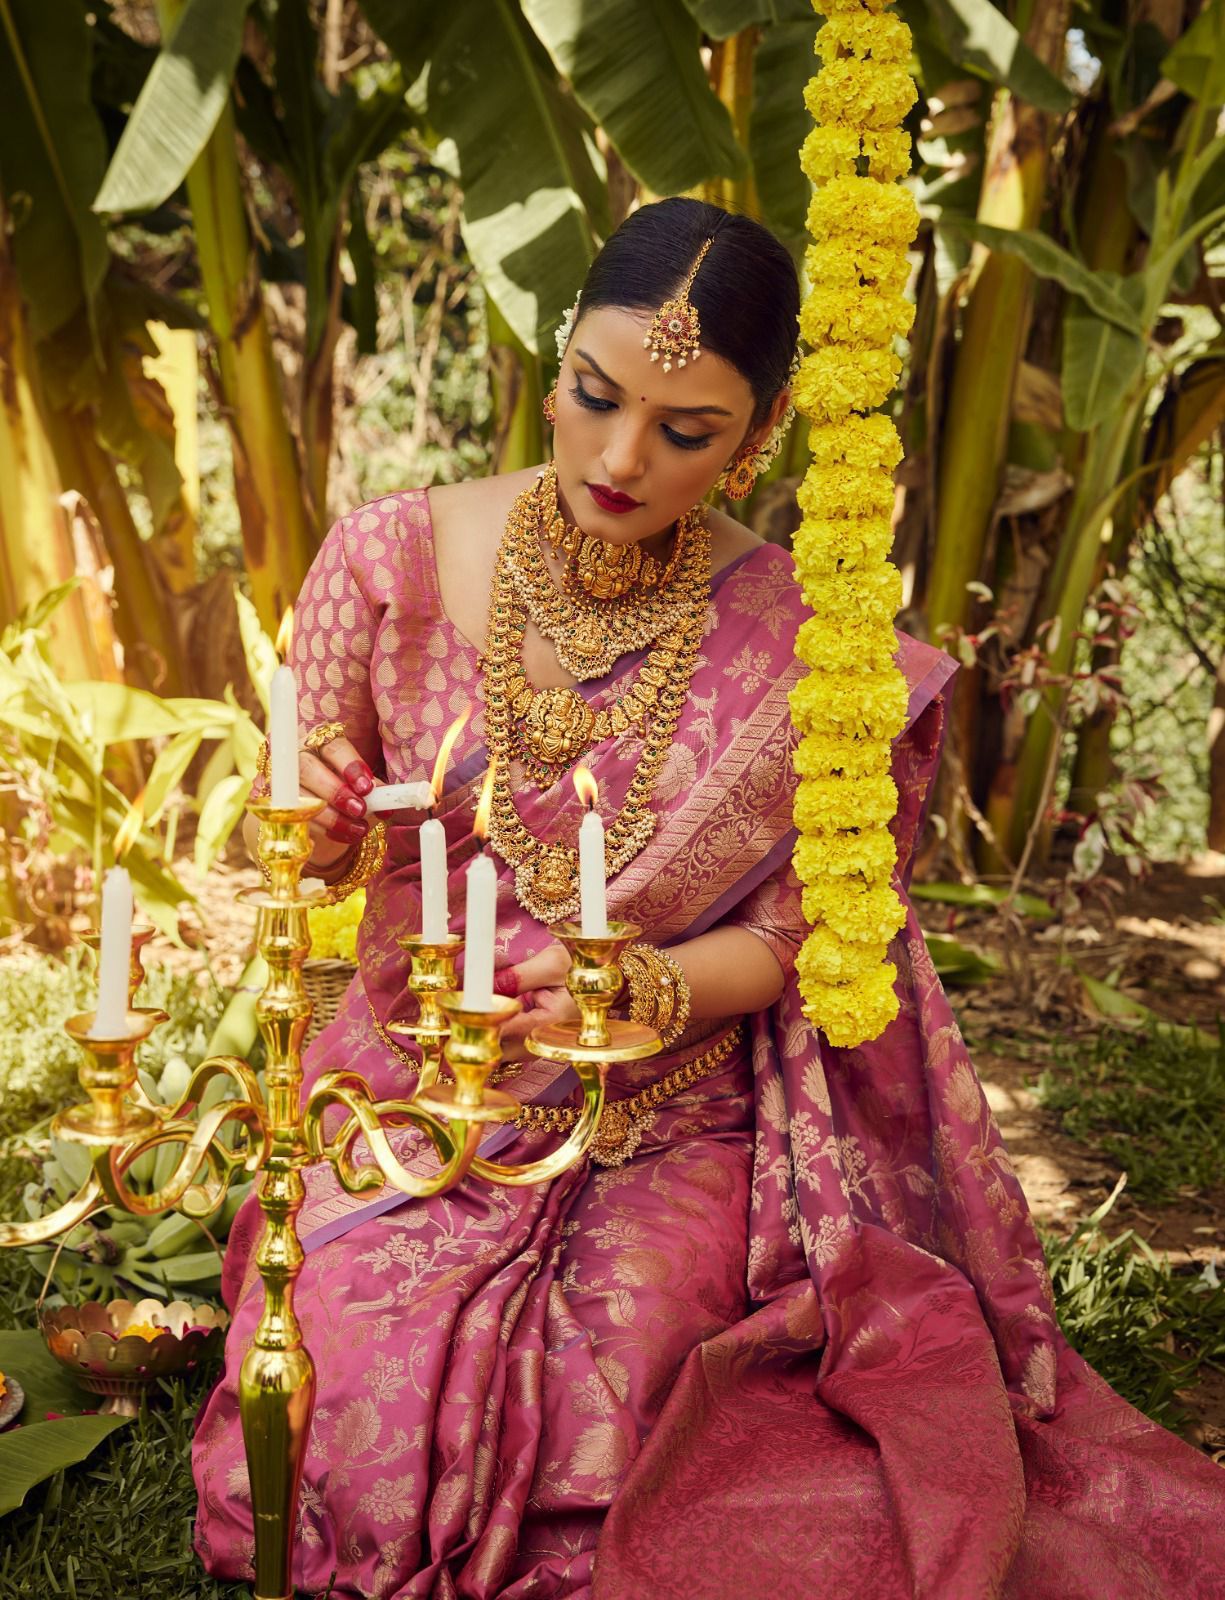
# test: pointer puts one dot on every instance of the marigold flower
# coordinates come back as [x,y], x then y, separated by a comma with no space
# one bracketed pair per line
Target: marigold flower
[837,644]
[855,909]
[870,441]
[837,153]
[852,262]
[824,545]
[851,1014]
[834,381]
[874,596]
[829,755]
[853,703]
[860,94]
[846,492]
[871,854]
[883,213]
[885,38]
[871,705]
[854,316]
[825,958]
[825,804]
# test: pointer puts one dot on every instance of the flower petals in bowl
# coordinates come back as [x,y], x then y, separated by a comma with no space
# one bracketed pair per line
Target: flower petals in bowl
[122,1348]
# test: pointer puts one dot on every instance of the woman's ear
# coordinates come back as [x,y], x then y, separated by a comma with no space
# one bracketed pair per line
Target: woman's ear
[757,436]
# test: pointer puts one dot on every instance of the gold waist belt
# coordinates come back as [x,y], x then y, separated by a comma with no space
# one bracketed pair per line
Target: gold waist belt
[623,1122]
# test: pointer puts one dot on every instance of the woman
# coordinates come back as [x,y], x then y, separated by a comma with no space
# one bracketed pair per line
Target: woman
[791,1331]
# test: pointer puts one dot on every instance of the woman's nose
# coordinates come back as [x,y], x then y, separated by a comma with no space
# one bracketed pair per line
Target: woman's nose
[624,455]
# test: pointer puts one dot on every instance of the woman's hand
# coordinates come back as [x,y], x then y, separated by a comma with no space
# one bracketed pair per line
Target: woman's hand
[336,773]
[540,982]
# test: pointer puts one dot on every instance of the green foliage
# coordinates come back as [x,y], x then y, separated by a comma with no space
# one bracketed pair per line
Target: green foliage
[122,1525]
[1147,1329]
[1151,1105]
[40,1447]
[178,106]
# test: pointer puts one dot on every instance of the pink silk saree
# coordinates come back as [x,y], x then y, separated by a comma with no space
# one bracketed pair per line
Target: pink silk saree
[802,1342]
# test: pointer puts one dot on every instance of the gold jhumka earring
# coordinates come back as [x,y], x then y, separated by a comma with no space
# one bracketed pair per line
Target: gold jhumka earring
[549,406]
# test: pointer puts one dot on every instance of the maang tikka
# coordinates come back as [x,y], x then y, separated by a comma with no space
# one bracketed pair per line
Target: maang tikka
[676,330]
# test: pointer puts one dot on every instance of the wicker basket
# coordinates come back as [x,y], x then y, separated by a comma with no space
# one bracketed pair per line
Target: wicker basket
[325,982]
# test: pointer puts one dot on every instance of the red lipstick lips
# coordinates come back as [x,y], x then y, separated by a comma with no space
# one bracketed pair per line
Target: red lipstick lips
[610,500]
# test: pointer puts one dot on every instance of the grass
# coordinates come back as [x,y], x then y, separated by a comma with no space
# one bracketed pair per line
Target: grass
[1145,1326]
[1153,1106]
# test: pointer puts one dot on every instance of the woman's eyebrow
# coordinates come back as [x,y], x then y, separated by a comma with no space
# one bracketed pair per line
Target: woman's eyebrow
[686,411]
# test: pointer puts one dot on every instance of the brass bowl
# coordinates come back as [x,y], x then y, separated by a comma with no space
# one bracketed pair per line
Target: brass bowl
[90,1340]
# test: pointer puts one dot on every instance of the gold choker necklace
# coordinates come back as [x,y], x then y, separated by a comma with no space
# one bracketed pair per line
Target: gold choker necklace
[549,729]
[589,636]
[594,567]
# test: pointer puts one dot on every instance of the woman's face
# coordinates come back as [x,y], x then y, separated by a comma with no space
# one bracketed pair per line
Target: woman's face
[627,428]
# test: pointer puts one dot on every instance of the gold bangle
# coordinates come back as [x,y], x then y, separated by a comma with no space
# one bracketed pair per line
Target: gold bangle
[366,863]
[659,991]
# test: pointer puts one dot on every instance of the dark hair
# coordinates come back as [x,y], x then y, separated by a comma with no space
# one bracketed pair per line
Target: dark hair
[746,290]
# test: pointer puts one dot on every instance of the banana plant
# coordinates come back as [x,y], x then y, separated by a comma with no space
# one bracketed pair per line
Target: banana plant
[62,739]
[1109,370]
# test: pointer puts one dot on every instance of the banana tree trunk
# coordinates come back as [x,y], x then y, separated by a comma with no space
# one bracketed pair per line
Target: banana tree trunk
[518,439]
[971,453]
[1018,790]
[36,541]
[144,619]
[318,407]
[279,538]
[731,77]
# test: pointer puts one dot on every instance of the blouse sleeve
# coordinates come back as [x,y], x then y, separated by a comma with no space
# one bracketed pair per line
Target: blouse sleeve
[335,623]
[772,911]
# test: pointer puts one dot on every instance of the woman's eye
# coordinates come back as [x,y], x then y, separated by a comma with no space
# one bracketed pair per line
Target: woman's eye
[687,441]
[591,401]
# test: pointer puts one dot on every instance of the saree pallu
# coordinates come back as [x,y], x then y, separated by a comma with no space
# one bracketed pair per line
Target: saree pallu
[802,1342]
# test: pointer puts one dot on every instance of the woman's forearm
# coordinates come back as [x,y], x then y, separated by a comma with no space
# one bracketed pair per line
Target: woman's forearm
[730,971]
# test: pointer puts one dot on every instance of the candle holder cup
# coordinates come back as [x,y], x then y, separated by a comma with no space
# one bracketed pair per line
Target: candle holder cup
[432,975]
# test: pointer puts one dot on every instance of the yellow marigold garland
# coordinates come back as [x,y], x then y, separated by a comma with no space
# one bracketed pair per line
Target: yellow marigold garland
[852,704]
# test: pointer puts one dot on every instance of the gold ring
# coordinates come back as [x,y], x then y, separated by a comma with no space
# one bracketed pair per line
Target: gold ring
[325,733]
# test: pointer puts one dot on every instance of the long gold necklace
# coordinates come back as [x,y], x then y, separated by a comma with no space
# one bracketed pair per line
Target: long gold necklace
[546,875]
[590,636]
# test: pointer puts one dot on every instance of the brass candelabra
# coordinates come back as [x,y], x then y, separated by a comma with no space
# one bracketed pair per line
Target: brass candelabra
[280,1132]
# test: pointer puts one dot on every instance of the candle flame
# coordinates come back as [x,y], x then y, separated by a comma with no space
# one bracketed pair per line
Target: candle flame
[445,749]
[587,789]
[284,634]
[128,830]
[480,824]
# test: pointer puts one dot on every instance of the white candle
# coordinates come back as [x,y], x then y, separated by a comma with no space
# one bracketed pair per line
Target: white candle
[434,909]
[478,934]
[110,1018]
[591,881]
[283,738]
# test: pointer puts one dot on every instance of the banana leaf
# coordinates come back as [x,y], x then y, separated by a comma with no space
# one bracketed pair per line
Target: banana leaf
[981,894]
[38,1449]
[957,963]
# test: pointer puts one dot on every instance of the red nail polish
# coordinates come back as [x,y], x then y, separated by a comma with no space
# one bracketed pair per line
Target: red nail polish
[349,804]
[359,776]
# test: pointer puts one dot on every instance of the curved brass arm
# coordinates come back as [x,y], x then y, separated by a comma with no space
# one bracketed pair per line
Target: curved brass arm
[39,1230]
[456,1144]
[591,1079]
[202,1148]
